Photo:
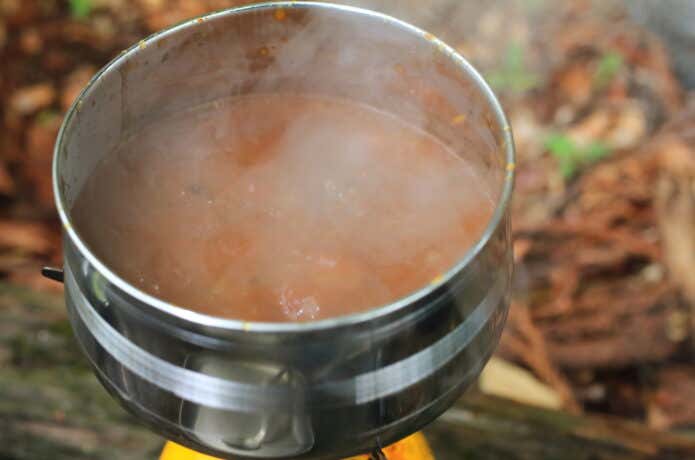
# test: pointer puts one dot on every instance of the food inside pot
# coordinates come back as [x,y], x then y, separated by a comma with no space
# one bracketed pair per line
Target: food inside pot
[281,208]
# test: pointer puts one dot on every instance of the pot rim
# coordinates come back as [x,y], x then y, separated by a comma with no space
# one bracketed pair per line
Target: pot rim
[229,324]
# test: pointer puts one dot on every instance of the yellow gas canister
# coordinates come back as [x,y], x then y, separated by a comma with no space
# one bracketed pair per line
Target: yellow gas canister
[414,447]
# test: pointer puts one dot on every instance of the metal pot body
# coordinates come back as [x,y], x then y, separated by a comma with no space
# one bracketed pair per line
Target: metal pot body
[315,390]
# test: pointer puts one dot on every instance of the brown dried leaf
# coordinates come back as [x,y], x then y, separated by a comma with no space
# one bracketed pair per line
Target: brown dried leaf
[36,167]
[30,41]
[522,341]
[672,404]
[31,99]
[29,237]
[618,126]
[6,182]
[574,82]
[506,380]
[629,127]
[74,84]
[635,339]
[32,278]
[676,210]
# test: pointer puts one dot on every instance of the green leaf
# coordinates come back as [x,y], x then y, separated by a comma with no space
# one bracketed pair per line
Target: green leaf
[568,167]
[496,79]
[607,68]
[595,151]
[533,5]
[46,117]
[561,146]
[513,74]
[515,58]
[565,152]
[571,157]
[80,9]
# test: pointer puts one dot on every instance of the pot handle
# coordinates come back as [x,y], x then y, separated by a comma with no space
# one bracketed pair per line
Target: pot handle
[56,274]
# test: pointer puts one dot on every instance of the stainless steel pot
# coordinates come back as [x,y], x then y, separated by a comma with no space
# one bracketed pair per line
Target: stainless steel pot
[313,390]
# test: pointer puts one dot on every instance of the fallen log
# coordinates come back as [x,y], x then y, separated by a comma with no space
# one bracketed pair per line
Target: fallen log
[52,407]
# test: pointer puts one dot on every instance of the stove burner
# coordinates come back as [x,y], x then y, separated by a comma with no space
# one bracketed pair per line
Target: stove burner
[377,454]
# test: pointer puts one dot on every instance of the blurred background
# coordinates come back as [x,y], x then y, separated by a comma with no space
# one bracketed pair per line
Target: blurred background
[601,326]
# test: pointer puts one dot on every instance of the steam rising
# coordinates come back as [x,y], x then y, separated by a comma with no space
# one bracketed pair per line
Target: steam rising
[293,207]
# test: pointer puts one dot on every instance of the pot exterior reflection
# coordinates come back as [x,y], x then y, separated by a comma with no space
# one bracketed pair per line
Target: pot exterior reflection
[317,390]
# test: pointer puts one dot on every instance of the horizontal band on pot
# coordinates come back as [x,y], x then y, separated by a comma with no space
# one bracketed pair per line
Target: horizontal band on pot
[219,393]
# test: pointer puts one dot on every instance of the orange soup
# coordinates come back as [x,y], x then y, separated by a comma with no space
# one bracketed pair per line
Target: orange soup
[281,208]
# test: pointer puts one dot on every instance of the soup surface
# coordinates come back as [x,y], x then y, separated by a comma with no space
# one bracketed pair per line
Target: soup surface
[281,208]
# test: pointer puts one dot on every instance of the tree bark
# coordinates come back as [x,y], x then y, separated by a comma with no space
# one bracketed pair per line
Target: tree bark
[480,427]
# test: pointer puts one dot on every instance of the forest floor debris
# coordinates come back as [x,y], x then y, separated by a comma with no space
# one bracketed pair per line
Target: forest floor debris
[604,210]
